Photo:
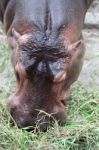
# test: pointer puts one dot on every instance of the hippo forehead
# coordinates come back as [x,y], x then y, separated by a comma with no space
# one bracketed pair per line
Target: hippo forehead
[47,27]
[49,15]
[40,47]
[46,61]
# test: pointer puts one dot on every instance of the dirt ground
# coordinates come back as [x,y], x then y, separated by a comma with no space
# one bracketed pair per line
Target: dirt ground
[90,72]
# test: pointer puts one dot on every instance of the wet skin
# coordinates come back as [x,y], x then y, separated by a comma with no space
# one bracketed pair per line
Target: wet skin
[47,55]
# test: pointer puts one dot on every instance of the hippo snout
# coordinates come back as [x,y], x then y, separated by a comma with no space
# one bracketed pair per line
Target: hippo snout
[35,118]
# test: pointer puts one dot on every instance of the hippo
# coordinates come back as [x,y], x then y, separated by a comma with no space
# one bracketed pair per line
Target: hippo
[47,53]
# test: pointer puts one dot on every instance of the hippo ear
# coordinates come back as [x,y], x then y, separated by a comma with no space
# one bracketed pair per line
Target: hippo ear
[21,39]
[73,47]
[15,34]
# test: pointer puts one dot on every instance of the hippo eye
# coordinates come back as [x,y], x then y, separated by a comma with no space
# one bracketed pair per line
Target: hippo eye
[17,75]
[20,71]
[17,72]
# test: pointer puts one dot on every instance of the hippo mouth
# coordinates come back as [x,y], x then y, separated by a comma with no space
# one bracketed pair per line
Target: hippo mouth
[39,120]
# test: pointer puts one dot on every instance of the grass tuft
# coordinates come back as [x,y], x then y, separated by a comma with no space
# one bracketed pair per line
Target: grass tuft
[81,131]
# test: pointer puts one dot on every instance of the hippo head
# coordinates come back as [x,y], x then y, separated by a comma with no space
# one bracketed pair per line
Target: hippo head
[43,81]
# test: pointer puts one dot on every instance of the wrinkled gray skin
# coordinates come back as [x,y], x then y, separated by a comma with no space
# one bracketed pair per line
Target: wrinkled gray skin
[47,55]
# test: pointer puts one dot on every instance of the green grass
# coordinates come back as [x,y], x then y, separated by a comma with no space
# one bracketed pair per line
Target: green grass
[3,57]
[81,131]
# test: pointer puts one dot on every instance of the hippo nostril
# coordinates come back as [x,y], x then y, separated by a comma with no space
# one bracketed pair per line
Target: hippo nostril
[44,126]
[59,114]
[63,102]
